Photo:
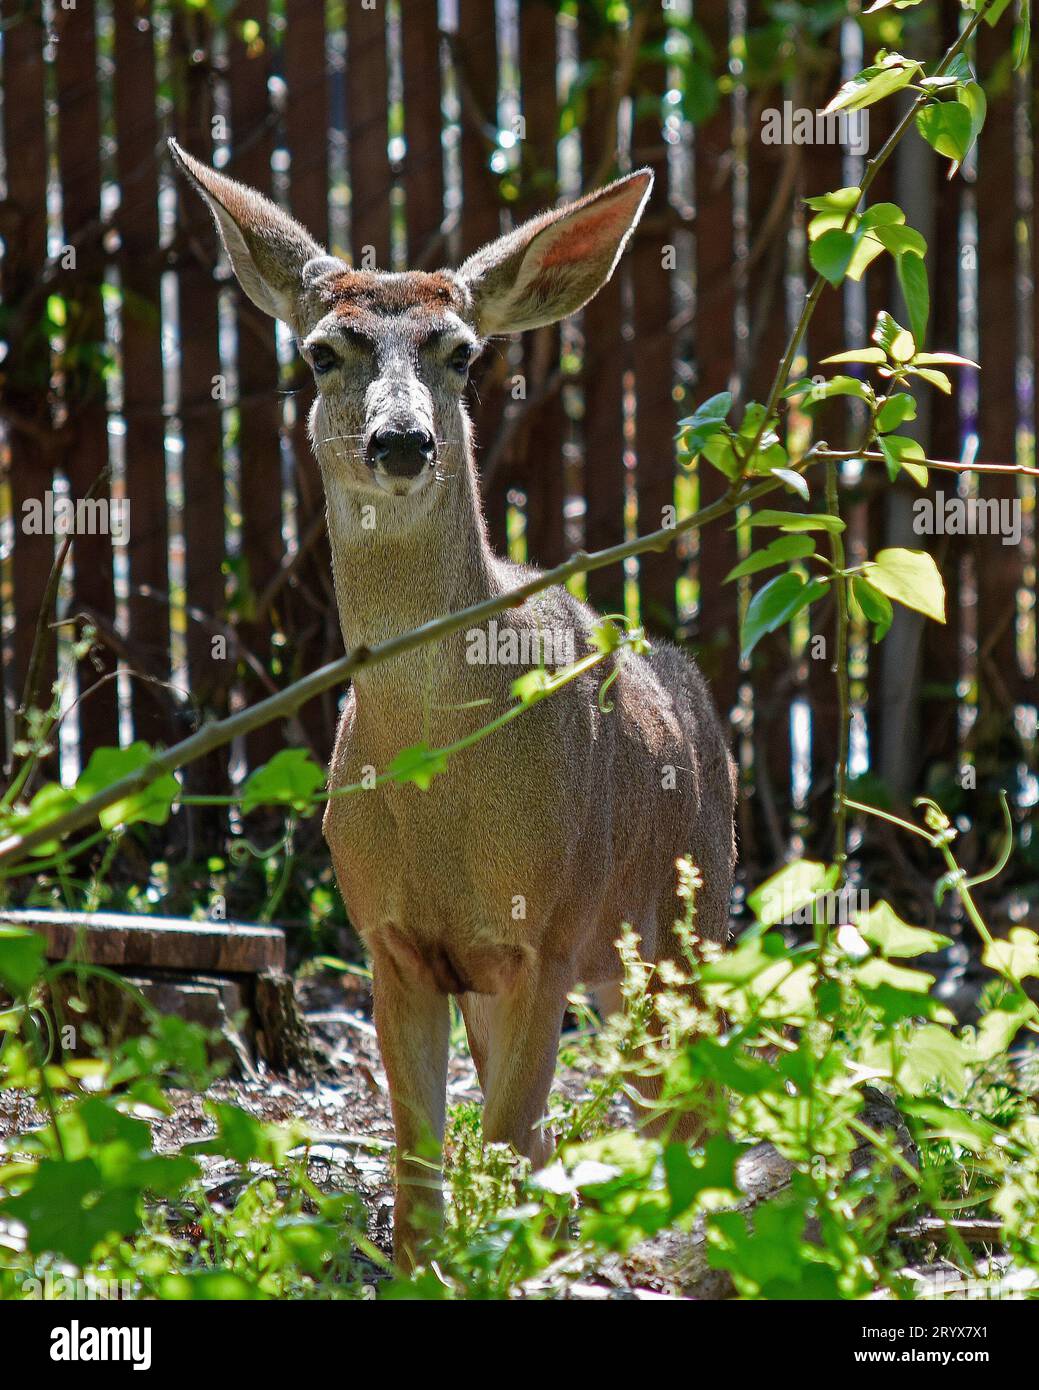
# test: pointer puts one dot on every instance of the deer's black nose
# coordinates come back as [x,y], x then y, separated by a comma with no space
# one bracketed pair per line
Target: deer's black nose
[402,453]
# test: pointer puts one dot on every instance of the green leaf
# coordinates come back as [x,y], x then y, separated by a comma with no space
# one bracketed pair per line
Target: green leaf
[943,359]
[792,887]
[831,254]
[69,1209]
[884,929]
[912,276]
[707,419]
[874,83]
[932,1056]
[796,482]
[109,765]
[1018,956]
[972,95]
[900,452]
[876,607]
[872,355]
[840,386]
[418,764]
[50,802]
[1000,1026]
[947,126]
[896,410]
[933,378]
[840,200]
[896,341]
[777,552]
[21,958]
[901,240]
[290,779]
[882,215]
[775,604]
[797,521]
[911,578]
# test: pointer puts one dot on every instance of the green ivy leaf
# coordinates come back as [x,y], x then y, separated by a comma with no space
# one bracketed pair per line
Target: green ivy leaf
[901,452]
[775,604]
[109,765]
[947,126]
[1018,956]
[911,578]
[883,928]
[874,83]
[778,552]
[290,779]
[875,606]
[418,764]
[912,276]
[896,410]
[21,958]
[797,521]
[831,254]
[706,420]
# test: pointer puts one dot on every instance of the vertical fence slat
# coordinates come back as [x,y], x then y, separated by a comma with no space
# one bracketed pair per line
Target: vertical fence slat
[475,53]
[997,567]
[717,626]
[651,277]
[308,598]
[259,415]
[367,77]
[137,137]
[79,163]
[540,438]
[604,354]
[199,364]
[30,451]
[423,173]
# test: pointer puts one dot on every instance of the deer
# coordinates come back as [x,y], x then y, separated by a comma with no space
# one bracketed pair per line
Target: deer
[506,882]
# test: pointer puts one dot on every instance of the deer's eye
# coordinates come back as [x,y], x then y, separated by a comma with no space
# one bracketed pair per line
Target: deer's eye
[323,359]
[461,358]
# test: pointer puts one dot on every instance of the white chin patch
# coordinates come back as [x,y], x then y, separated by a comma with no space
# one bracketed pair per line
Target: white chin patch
[402,487]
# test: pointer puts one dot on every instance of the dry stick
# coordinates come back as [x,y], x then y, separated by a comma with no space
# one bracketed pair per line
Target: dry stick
[286,702]
[50,594]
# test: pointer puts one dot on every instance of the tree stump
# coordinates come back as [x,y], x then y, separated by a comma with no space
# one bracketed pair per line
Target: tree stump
[282,1036]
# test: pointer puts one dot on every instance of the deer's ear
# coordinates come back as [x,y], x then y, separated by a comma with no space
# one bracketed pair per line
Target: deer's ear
[268,250]
[552,265]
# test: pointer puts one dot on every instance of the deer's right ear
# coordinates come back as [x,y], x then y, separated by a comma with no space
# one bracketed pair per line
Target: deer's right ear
[269,252]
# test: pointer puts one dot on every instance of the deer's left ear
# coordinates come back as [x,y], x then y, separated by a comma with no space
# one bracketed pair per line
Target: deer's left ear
[552,265]
[269,251]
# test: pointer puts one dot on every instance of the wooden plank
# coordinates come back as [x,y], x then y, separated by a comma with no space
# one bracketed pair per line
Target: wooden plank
[476,60]
[367,75]
[605,357]
[79,165]
[30,451]
[137,139]
[998,568]
[124,939]
[655,413]
[717,624]
[210,675]
[423,173]
[538,453]
[259,411]
[307,604]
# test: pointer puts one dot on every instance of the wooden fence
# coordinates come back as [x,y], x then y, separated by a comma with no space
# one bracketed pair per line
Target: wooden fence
[418,132]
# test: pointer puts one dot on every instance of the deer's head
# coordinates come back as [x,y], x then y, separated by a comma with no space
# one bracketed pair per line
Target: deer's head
[391,353]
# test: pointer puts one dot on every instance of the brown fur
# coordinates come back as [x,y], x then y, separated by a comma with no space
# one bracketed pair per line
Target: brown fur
[506,882]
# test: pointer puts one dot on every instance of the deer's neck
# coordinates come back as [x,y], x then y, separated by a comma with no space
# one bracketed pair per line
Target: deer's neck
[393,573]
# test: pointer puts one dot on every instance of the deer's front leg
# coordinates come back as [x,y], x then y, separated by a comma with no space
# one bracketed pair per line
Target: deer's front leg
[413,1022]
[524,1043]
